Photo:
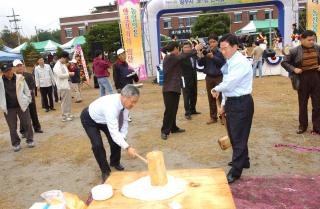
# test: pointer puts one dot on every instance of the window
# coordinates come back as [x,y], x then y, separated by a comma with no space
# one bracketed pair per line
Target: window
[193,20]
[181,22]
[190,21]
[167,23]
[81,30]
[237,17]
[68,32]
[253,15]
[267,14]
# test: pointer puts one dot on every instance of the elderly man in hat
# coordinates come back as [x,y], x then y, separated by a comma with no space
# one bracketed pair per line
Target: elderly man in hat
[122,75]
[15,98]
[21,70]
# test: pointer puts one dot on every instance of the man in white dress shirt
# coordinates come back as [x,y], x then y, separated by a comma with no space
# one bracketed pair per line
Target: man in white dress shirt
[237,103]
[110,115]
[45,81]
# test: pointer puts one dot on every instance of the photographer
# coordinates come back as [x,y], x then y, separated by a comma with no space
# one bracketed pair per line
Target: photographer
[211,60]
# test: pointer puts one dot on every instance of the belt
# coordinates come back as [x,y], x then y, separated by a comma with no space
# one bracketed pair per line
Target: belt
[239,97]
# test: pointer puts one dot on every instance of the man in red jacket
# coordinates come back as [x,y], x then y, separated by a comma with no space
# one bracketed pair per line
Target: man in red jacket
[100,70]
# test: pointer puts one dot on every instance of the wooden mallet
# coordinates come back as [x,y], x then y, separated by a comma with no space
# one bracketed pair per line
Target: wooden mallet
[224,142]
[156,168]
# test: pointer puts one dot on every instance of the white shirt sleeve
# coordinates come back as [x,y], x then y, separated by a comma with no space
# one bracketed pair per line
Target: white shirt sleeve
[232,79]
[111,117]
[58,71]
[36,76]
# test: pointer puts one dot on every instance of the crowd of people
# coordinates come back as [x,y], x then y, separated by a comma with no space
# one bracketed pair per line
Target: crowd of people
[229,79]
[59,81]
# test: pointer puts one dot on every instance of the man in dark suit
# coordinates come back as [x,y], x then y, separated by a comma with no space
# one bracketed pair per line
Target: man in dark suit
[172,88]
[189,82]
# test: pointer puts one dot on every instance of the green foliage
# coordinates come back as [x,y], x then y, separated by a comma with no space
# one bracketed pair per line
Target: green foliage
[1,44]
[302,19]
[207,24]
[44,35]
[59,51]
[107,34]
[9,39]
[30,55]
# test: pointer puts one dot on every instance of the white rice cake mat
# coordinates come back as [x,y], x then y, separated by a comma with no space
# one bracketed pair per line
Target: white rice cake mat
[142,189]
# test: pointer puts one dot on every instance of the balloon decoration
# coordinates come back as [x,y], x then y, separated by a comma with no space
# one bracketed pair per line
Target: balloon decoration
[274,60]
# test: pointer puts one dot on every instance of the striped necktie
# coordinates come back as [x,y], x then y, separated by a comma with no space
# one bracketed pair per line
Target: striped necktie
[120,120]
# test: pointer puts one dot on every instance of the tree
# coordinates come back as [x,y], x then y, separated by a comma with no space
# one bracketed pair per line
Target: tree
[11,39]
[302,19]
[59,51]
[44,35]
[107,34]
[30,55]
[1,44]
[214,23]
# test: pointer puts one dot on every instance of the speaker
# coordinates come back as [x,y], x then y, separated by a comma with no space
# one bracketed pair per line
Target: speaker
[94,47]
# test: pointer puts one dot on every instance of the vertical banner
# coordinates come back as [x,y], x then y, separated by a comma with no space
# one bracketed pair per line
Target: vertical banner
[313,9]
[130,19]
[78,50]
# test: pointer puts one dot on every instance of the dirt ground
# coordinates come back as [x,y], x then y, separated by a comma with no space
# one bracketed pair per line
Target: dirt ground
[63,159]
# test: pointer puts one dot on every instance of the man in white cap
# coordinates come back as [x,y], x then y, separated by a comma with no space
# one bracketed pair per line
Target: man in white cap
[15,98]
[75,79]
[20,69]
[122,75]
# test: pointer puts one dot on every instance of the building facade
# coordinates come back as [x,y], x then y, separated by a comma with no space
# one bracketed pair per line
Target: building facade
[178,24]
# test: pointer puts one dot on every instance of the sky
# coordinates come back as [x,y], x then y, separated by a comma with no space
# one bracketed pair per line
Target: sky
[44,14]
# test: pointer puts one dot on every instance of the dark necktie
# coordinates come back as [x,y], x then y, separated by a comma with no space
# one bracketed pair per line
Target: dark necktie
[120,120]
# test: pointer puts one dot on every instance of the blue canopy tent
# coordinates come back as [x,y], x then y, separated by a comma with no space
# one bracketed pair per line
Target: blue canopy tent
[6,56]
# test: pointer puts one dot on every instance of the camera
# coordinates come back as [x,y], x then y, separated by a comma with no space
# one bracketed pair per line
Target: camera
[205,50]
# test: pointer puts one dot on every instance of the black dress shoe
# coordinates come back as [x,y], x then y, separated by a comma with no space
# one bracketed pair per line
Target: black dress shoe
[195,113]
[52,108]
[38,131]
[104,177]
[247,165]
[231,178]
[180,130]
[164,136]
[188,117]
[118,167]
[300,130]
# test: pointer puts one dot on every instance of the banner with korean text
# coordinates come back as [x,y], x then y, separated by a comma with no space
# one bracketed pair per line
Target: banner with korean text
[313,12]
[130,20]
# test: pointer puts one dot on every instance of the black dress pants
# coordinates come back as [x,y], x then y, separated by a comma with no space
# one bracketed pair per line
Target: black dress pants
[93,131]
[34,115]
[239,113]
[309,87]
[55,93]
[190,99]
[171,103]
[46,93]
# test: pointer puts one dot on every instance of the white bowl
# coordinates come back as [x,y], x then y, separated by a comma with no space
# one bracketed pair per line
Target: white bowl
[102,192]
